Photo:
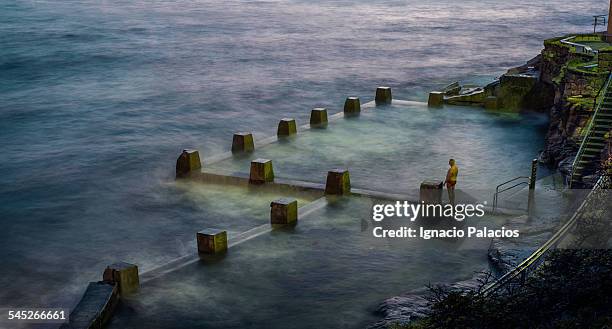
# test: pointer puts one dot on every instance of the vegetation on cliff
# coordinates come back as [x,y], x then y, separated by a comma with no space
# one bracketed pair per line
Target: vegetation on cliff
[577,68]
[572,289]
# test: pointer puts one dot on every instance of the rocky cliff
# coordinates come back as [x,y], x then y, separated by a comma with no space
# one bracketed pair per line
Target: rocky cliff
[576,81]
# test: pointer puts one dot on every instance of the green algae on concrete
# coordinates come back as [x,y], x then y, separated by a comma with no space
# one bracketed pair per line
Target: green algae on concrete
[318,117]
[287,127]
[125,275]
[604,59]
[338,182]
[352,105]
[284,211]
[261,171]
[212,242]
[477,97]
[187,162]
[243,142]
[491,103]
[383,95]
[436,99]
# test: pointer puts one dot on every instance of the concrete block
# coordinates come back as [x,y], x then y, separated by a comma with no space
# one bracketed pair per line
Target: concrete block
[212,241]
[491,103]
[287,127]
[125,275]
[383,95]
[95,308]
[284,211]
[431,192]
[187,162]
[436,99]
[318,116]
[243,142]
[352,105]
[261,171]
[338,182]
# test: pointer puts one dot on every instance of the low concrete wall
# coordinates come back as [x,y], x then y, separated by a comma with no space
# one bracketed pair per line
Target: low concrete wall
[95,307]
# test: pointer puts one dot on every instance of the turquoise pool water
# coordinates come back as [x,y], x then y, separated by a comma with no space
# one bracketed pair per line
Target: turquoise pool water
[394,148]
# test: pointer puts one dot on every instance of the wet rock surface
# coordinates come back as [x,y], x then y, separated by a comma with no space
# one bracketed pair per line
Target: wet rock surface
[413,305]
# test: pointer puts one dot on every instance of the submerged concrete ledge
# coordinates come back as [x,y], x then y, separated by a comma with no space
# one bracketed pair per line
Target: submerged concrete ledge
[157,272]
[318,189]
[275,138]
[333,117]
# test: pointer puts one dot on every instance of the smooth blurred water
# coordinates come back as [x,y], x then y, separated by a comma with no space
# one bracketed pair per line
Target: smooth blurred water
[395,148]
[97,98]
[328,272]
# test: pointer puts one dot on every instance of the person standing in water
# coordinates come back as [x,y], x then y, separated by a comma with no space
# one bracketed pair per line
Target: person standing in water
[451,180]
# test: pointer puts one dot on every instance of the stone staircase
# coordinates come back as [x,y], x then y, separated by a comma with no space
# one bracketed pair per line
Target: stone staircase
[595,139]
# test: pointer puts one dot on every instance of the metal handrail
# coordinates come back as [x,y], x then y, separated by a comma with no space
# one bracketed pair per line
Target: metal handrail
[586,49]
[589,129]
[497,191]
[536,257]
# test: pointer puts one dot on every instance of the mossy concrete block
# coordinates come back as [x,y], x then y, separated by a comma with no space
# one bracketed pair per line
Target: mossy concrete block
[125,275]
[284,211]
[287,127]
[491,103]
[243,142]
[338,182]
[261,171]
[436,99]
[522,92]
[212,242]
[352,105]
[187,162]
[431,192]
[318,117]
[383,95]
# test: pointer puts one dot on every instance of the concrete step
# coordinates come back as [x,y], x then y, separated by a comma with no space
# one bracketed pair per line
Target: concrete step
[602,129]
[592,149]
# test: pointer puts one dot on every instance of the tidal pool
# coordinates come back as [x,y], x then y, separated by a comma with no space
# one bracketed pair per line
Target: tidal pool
[327,272]
[394,148]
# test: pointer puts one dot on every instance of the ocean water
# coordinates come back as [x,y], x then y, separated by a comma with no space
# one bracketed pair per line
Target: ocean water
[98,98]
